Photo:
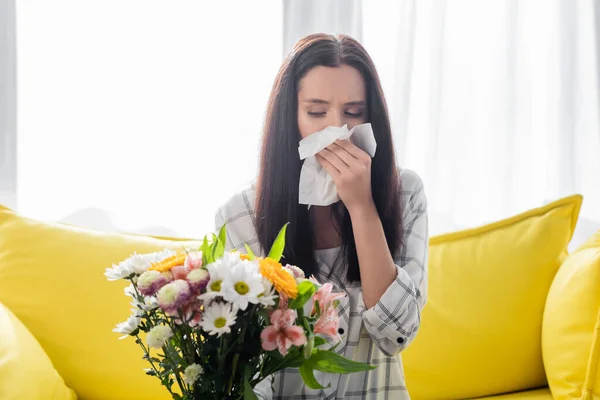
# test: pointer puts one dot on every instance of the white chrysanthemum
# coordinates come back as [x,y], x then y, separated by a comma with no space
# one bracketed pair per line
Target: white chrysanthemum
[149,303]
[219,272]
[191,373]
[244,285]
[158,336]
[118,271]
[218,319]
[151,281]
[130,291]
[127,327]
[173,295]
[198,279]
[136,264]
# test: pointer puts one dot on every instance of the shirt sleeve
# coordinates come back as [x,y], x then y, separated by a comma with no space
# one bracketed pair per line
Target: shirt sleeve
[219,222]
[393,322]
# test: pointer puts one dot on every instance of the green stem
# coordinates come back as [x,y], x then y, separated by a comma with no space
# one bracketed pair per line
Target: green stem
[147,354]
[174,366]
[236,357]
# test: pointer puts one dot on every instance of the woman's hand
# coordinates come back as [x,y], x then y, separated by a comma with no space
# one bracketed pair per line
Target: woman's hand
[350,168]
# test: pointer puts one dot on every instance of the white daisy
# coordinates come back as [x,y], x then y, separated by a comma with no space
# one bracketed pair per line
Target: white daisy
[218,319]
[244,285]
[158,336]
[136,264]
[219,272]
[191,373]
[128,326]
[268,296]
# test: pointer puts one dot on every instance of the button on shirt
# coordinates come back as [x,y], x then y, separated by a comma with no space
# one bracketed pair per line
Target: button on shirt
[376,335]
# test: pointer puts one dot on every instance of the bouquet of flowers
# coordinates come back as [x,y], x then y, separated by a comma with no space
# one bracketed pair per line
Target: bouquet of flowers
[216,323]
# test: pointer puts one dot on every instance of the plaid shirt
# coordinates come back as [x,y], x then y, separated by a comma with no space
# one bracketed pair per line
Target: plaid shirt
[376,335]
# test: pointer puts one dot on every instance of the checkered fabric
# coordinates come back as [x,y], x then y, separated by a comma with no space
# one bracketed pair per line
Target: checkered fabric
[377,335]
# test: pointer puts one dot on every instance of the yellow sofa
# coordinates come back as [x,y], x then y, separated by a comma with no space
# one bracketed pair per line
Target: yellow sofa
[510,315]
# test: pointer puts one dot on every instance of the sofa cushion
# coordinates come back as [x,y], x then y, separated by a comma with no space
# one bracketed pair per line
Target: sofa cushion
[481,328]
[51,278]
[26,372]
[536,394]
[571,329]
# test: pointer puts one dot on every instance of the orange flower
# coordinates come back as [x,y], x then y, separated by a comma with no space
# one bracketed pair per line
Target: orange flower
[242,256]
[283,281]
[168,263]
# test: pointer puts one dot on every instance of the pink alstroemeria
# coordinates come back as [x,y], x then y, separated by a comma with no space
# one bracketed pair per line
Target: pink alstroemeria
[325,297]
[282,333]
[328,324]
[192,261]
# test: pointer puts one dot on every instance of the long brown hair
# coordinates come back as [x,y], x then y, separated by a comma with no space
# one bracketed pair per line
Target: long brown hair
[277,183]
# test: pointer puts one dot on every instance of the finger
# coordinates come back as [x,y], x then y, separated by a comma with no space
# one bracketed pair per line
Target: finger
[329,167]
[343,154]
[354,150]
[337,162]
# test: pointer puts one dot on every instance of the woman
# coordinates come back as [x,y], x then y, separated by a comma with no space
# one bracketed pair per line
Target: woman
[372,245]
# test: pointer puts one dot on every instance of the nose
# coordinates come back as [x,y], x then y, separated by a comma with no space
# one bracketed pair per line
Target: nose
[335,119]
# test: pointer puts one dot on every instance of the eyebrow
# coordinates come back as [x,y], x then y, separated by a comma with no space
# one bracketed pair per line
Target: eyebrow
[350,103]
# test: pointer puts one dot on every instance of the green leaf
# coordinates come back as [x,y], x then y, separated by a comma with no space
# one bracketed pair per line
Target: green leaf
[215,245]
[308,376]
[328,361]
[205,252]
[249,252]
[319,341]
[317,309]
[248,392]
[296,361]
[277,248]
[223,235]
[305,291]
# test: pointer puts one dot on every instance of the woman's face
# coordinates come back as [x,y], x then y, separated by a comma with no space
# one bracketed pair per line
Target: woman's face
[331,96]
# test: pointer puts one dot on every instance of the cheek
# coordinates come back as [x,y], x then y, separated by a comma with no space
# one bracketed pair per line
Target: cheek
[307,125]
[352,122]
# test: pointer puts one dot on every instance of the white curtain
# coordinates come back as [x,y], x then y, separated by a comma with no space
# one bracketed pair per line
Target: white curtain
[150,112]
[141,115]
[8,165]
[494,103]
[303,17]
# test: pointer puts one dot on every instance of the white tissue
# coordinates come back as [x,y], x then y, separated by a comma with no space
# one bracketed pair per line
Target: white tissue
[316,185]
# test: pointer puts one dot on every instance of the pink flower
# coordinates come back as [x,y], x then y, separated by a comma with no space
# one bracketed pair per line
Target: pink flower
[193,260]
[282,333]
[328,324]
[325,297]
[191,315]
[295,271]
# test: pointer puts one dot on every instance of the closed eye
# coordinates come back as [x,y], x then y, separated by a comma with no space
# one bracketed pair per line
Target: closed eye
[355,115]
